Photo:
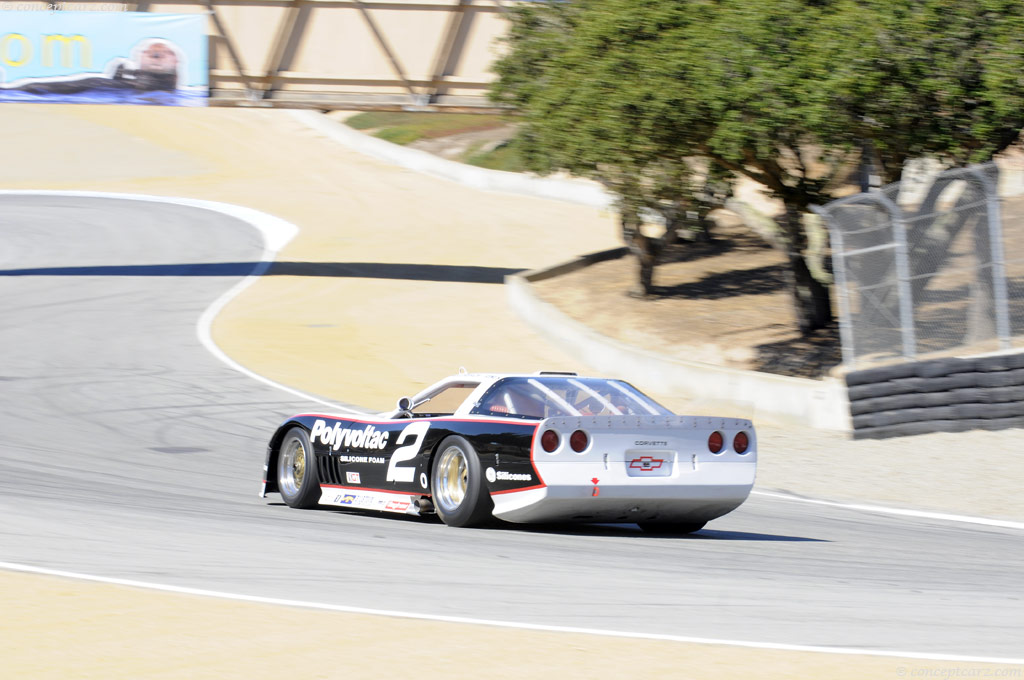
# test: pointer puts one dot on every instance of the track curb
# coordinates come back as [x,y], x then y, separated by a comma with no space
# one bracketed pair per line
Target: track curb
[570,190]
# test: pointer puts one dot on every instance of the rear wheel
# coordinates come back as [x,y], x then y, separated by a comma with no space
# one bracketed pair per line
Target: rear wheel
[671,528]
[457,485]
[296,470]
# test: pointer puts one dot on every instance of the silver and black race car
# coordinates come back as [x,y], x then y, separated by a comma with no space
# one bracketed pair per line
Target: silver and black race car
[544,447]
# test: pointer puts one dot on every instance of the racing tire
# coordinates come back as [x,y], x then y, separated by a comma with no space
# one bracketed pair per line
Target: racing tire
[869,376]
[297,478]
[1004,362]
[457,485]
[940,368]
[670,528]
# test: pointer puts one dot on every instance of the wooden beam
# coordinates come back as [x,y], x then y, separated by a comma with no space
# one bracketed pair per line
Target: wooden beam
[382,42]
[447,43]
[285,34]
[236,59]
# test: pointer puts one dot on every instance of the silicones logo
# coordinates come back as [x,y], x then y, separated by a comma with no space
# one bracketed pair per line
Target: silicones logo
[336,437]
[505,476]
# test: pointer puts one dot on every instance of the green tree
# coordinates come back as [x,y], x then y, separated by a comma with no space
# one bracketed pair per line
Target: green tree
[646,95]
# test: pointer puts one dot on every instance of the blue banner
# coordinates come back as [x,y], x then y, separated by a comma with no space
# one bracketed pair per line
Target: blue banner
[103,58]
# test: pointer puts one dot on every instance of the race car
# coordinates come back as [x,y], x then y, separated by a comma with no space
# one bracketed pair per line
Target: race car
[542,448]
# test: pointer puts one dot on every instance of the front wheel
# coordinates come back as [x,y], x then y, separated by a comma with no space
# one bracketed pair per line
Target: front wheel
[457,485]
[670,528]
[296,470]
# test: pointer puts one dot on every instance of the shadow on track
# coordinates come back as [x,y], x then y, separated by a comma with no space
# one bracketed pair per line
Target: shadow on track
[355,270]
[606,530]
[632,530]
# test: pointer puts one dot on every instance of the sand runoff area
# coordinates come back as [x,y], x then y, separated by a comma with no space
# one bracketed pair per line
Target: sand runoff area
[335,344]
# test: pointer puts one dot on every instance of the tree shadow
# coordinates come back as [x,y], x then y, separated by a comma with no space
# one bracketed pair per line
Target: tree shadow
[756,281]
[802,356]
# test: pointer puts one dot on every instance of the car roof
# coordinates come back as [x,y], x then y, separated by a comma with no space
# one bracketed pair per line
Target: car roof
[490,378]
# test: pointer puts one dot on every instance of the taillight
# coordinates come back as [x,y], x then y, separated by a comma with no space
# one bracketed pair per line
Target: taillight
[578,440]
[715,442]
[740,442]
[549,440]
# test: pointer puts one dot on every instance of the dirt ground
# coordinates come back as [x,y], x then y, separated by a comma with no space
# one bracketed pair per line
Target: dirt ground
[454,146]
[725,303]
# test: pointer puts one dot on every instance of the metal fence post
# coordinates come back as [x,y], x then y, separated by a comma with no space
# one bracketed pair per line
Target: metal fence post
[899,233]
[995,229]
[846,342]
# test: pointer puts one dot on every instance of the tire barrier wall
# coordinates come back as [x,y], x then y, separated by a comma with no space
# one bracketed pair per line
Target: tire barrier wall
[940,395]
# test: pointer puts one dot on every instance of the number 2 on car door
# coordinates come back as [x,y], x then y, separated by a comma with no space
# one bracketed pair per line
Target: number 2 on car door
[406,473]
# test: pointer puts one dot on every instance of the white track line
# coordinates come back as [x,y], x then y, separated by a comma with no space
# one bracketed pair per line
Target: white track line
[276,233]
[900,512]
[506,624]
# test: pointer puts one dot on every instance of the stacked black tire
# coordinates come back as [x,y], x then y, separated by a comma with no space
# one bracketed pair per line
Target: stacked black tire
[941,395]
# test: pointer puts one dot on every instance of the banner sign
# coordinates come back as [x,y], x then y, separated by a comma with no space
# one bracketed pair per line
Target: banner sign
[103,58]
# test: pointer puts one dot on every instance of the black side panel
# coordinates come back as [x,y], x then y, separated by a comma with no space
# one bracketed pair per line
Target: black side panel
[504,450]
[395,455]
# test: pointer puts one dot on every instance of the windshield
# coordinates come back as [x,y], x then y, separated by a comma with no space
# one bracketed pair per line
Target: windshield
[546,396]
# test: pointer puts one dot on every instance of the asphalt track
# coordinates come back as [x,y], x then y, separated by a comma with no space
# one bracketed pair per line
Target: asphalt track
[131,452]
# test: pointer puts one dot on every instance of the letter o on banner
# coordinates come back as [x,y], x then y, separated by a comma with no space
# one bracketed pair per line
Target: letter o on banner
[6,49]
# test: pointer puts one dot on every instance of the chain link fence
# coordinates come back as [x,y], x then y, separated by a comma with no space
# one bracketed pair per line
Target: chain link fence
[928,268]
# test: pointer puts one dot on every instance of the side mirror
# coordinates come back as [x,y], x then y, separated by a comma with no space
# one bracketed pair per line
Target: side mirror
[405,404]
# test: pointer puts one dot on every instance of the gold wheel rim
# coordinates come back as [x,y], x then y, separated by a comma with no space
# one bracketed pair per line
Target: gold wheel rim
[292,470]
[453,479]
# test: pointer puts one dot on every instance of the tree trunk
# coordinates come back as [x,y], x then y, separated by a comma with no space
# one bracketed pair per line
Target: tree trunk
[811,301]
[645,248]
[646,251]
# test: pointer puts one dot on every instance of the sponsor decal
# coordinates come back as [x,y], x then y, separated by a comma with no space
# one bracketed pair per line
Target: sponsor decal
[596,491]
[647,442]
[352,477]
[367,500]
[646,463]
[361,459]
[504,476]
[349,437]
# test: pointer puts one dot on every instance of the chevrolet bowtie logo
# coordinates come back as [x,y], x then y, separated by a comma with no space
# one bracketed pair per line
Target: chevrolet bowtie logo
[646,463]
